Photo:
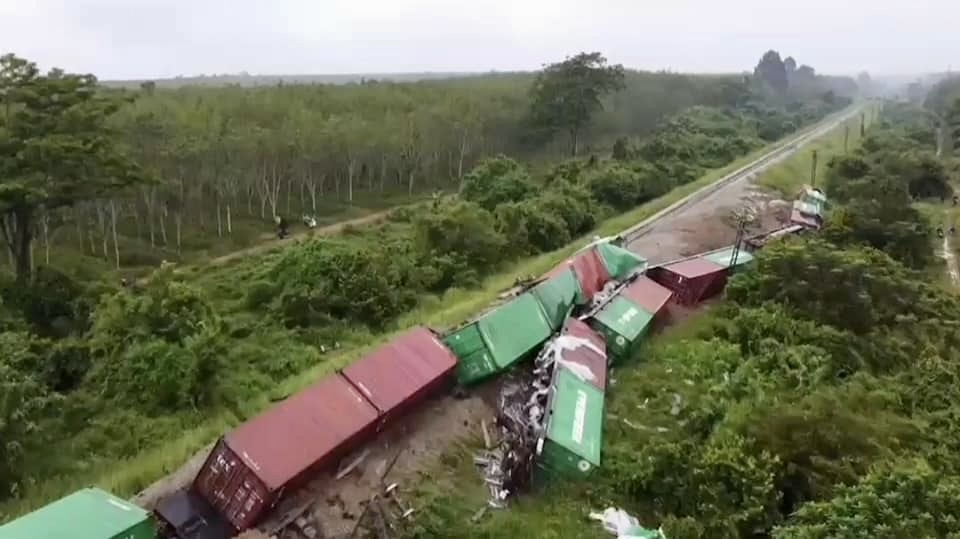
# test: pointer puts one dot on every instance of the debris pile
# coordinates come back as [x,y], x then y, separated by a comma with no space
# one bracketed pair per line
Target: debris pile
[620,523]
[604,295]
[507,465]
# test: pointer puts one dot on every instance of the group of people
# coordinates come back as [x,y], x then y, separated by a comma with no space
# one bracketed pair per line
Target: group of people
[283,228]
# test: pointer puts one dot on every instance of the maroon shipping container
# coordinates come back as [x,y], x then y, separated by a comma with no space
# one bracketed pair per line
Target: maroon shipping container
[591,273]
[251,468]
[403,372]
[692,280]
[593,357]
[648,294]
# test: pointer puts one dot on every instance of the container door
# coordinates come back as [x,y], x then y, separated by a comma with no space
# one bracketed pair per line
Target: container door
[231,488]
[475,361]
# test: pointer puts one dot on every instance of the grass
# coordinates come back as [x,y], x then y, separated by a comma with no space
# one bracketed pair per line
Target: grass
[129,476]
[789,176]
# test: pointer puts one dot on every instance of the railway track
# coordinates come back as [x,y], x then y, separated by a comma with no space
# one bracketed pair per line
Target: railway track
[746,172]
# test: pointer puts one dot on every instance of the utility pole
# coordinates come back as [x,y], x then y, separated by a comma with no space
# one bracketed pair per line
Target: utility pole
[813,170]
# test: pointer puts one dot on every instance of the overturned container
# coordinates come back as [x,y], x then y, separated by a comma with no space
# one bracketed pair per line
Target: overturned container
[597,264]
[499,339]
[623,323]
[571,443]
[583,351]
[251,468]
[692,280]
[557,295]
[731,258]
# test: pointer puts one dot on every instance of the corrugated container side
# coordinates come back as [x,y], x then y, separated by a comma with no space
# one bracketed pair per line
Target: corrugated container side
[475,359]
[233,489]
[690,290]
[557,295]
[88,513]
[619,262]
[591,274]
[403,372]
[648,294]
[283,448]
[574,424]
[514,330]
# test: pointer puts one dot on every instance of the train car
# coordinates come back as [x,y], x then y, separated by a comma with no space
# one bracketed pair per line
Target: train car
[90,513]
[597,264]
[692,280]
[252,467]
[570,446]
[499,339]
[583,351]
[403,373]
[625,320]
[729,257]
[557,295]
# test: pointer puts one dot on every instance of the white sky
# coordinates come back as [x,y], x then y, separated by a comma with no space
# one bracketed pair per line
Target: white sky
[117,39]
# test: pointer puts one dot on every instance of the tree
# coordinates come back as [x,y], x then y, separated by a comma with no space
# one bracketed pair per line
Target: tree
[496,181]
[565,95]
[790,65]
[56,149]
[772,71]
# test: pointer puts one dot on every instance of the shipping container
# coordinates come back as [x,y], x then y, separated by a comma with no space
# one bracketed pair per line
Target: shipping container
[253,466]
[557,296]
[807,208]
[584,352]
[808,221]
[499,339]
[571,444]
[86,514]
[619,262]
[403,372]
[648,294]
[692,280]
[623,323]
[589,271]
[724,257]
[186,515]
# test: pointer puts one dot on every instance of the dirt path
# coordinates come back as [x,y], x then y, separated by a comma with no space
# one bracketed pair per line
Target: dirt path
[327,230]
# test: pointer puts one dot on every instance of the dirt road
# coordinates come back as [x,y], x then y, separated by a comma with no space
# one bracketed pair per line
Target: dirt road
[705,220]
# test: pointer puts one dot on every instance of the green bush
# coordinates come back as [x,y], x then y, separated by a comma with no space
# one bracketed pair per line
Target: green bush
[531,226]
[496,181]
[260,294]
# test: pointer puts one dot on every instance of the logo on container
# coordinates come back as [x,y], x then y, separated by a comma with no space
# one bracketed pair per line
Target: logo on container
[579,416]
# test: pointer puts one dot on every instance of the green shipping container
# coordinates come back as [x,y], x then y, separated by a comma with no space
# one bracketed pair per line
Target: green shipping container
[498,339]
[725,257]
[620,263]
[86,514]
[574,435]
[623,323]
[557,296]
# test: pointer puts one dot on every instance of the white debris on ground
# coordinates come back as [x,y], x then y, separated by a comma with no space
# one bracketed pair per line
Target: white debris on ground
[620,523]
[604,295]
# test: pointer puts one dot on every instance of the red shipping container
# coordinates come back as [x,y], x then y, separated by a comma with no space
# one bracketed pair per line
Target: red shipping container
[251,468]
[592,356]
[648,294]
[591,273]
[692,280]
[403,372]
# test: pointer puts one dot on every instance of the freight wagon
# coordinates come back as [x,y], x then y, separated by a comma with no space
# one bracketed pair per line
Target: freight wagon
[86,514]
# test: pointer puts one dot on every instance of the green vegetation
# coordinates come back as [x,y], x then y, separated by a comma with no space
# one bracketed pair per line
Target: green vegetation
[818,400]
[145,375]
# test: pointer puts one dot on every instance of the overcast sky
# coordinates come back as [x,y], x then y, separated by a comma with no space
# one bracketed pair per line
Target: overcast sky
[120,39]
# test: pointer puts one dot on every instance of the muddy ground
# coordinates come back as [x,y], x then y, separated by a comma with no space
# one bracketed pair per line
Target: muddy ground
[710,223]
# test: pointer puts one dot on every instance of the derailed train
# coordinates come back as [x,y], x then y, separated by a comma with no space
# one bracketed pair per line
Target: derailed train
[604,296]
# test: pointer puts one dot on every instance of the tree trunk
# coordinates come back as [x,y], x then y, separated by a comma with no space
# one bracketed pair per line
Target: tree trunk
[102,221]
[45,222]
[113,230]
[229,220]
[383,171]
[78,219]
[410,181]
[179,222]
[163,223]
[151,215]
[463,155]
[574,141]
[16,227]
[289,190]
[350,170]
[219,219]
